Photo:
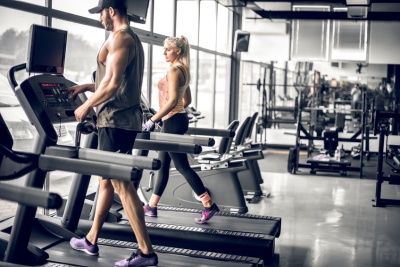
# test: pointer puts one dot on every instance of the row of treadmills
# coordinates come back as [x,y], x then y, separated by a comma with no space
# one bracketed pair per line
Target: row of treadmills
[232,238]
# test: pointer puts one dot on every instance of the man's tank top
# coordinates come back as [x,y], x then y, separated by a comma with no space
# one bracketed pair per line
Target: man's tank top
[163,94]
[123,109]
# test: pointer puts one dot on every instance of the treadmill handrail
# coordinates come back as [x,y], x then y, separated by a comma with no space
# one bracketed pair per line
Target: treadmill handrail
[118,158]
[198,140]
[11,77]
[103,156]
[87,167]
[18,157]
[167,146]
[211,132]
[29,196]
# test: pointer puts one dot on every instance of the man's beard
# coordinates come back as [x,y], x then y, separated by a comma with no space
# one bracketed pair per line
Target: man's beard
[108,23]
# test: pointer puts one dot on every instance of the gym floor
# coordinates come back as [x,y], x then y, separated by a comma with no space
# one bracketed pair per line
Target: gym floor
[326,220]
[329,220]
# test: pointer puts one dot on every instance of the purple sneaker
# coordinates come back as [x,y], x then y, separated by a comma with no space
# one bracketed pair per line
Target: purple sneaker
[149,211]
[83,245]
[207,214]
[138,259]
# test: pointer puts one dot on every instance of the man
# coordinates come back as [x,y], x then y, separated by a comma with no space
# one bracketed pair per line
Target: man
[116,96]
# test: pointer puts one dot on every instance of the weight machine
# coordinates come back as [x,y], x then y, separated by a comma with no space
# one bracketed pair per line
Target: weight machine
[331,140]
[382,127]
[269,116]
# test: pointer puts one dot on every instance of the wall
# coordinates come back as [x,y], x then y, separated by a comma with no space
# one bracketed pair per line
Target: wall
[384,38]
[270,39]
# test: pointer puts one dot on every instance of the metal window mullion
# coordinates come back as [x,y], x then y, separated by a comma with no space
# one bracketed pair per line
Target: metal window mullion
[150,73]
[198,54]
[47,21]
[216,28]
[322,38]
[214,91]
[297,36]
[360,36]
[175,13]
[338,34]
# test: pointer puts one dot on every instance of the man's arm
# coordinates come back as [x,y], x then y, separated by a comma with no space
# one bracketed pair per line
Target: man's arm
[117,60]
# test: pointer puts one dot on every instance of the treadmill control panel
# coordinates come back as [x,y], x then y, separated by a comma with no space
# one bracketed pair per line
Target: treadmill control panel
[54,94]
[48,98]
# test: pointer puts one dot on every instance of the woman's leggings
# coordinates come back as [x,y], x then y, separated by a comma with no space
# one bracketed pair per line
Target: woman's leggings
[177,124]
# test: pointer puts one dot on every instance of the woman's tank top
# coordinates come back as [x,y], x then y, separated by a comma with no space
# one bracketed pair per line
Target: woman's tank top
[163,94]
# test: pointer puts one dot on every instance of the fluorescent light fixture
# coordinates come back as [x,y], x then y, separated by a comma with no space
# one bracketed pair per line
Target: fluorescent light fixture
[357,12]
[357,2]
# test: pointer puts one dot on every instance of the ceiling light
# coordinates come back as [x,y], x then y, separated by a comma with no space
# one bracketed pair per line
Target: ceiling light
[357,12]
[357,2]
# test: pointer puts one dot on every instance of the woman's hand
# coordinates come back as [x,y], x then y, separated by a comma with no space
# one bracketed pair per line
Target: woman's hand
[148,126]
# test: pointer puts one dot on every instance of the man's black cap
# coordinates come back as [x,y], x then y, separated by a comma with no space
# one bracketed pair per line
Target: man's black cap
[117,4]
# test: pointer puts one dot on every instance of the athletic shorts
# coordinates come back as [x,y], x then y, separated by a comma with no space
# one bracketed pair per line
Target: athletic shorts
[116,140]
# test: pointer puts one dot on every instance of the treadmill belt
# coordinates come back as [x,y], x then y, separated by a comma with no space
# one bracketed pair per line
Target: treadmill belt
[63,253]
[269,226]
[222,234]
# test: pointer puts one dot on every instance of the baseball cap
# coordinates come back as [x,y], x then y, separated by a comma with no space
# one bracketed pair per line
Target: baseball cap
[117,4]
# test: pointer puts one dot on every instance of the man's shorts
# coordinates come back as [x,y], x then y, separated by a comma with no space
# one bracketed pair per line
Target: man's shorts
[116,140]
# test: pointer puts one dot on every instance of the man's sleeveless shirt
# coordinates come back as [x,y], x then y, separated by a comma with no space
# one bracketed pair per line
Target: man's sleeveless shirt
[123,109]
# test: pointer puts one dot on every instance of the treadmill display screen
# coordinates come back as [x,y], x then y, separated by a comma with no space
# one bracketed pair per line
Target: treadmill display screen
[55,94]
[46,50]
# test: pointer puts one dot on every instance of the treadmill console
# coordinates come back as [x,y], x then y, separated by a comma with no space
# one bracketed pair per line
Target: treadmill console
[54,94]
[47,95]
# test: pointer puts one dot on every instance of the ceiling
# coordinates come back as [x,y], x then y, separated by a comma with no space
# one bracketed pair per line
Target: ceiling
[372,10]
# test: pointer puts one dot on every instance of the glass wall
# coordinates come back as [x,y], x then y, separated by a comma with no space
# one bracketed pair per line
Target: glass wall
[14,34]
[163,12]
[224,30]
[187,19]
[159,70]
[193,75]
[77,7]
[208,24]
[222,88]
[83,44]
[206,88]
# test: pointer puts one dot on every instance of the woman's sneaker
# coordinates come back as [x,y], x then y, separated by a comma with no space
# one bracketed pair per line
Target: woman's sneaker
[83,245]
[138,259]
[207,214]
[149,211]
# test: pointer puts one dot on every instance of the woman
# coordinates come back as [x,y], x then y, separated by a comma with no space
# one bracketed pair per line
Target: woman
[174,96]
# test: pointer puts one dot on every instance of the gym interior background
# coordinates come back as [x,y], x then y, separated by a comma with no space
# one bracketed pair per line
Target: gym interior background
[246,57]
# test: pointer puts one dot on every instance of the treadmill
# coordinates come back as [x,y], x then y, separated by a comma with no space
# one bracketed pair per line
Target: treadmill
[38,240]
[16,164]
